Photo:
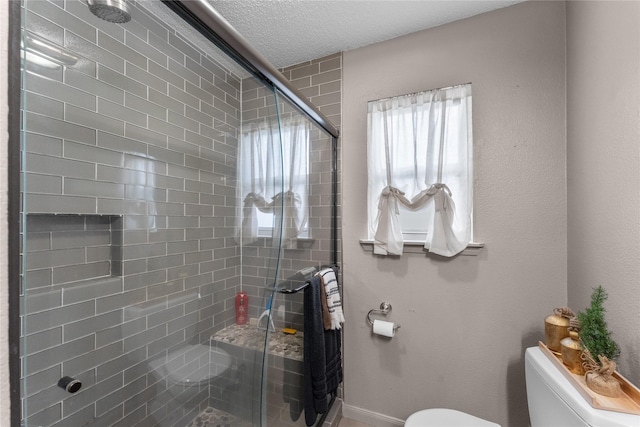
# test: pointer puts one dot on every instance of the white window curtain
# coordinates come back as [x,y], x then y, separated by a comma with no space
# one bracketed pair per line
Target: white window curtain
[420,166]
[272,173]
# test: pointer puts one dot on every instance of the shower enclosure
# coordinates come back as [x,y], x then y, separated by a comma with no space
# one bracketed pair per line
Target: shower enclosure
[162,174]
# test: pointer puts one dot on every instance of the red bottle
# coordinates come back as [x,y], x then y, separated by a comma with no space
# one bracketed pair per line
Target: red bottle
[242,308]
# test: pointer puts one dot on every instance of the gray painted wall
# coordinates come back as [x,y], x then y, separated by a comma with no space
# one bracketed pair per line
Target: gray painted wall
[465,321]
[603,174]
[546,245]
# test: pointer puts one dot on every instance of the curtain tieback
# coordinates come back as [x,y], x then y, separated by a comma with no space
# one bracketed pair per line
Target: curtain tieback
[424,196]
[251,198]
[255,199]
[439,186]
[288,196]
[387,192]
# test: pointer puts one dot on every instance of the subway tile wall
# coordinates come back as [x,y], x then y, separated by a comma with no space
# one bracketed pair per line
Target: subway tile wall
[320,81]
[130,160]
[130,164]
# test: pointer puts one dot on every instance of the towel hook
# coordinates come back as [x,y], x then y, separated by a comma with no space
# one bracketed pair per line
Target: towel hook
[385,308]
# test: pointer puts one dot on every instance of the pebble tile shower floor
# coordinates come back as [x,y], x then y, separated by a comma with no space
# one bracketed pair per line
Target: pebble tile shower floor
[212,417]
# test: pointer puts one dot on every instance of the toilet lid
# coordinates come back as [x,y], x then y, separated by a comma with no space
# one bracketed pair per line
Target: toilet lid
[192,364]
[446,418]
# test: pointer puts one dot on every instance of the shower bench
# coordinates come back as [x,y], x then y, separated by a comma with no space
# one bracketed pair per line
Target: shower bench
[284,373]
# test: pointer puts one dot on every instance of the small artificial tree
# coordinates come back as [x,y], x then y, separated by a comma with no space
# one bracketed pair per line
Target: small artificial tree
[594,334]
[600,351]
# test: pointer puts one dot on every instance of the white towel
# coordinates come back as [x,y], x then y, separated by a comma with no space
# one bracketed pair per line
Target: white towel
[334,302]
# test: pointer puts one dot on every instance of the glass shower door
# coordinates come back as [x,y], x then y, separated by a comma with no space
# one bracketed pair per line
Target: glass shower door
[285,211]
[304,217]
[131,254]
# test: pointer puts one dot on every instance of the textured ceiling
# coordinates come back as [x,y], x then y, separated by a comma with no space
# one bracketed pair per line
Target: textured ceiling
[289,32]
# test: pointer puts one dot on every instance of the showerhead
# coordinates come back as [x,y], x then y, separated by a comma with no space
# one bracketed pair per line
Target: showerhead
[115,11]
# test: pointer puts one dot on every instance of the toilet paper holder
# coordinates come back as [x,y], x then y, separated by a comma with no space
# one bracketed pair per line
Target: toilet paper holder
[385,308]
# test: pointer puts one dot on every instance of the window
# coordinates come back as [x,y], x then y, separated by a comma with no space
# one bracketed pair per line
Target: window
[272,191]
[420,171]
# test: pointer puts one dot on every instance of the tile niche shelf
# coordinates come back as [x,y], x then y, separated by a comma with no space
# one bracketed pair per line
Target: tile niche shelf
[72,248]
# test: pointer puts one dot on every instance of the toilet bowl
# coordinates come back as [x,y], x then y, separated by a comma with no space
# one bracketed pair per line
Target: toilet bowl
[440,417]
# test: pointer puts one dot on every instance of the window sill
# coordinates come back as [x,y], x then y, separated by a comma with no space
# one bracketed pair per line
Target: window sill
[416,247]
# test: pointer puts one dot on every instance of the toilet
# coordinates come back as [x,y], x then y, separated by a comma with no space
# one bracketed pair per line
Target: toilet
[554,401]
[441,417]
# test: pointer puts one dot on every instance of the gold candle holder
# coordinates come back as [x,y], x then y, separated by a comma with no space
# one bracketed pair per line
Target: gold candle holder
[572,353]
[556,328]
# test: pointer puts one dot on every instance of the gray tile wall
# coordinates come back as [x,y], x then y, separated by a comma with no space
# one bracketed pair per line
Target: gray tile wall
[321,81]
[71,248]
[130,165]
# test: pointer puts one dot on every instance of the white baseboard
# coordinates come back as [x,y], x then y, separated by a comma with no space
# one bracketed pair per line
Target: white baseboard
[369,417]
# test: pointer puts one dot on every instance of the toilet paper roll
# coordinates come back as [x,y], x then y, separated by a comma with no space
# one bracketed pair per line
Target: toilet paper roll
[386,329]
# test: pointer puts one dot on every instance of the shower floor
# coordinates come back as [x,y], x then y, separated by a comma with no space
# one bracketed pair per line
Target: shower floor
[212,417]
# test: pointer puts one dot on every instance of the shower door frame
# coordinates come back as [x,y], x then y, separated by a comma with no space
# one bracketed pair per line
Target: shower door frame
[13,211]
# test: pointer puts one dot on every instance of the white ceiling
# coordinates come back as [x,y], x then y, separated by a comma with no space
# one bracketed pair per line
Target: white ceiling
[288,32]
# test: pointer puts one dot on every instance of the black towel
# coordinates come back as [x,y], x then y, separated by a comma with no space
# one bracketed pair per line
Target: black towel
[333,354]
[322,357]
[333,357]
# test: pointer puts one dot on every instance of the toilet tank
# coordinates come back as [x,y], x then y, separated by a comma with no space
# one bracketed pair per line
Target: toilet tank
[554,401]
